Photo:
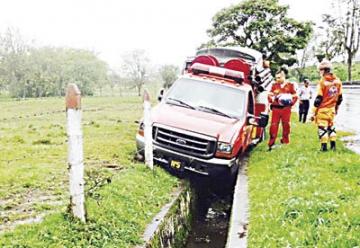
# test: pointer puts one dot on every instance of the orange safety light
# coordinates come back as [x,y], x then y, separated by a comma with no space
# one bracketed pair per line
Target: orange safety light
[198,68]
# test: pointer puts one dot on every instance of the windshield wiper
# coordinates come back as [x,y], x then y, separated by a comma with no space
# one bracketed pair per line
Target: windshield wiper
[181,102]
[216,111]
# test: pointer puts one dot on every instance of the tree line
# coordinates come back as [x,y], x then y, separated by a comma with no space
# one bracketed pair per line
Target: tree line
[265,25]
[30,71]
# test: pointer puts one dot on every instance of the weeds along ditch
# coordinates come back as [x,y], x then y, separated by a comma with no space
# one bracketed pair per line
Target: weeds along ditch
[210,211]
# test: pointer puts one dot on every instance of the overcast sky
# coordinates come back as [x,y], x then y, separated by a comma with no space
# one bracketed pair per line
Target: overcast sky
[168,30]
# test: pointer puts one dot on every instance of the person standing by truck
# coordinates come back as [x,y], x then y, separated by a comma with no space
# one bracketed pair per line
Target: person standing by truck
[282,97]
[326,104]
[305,94]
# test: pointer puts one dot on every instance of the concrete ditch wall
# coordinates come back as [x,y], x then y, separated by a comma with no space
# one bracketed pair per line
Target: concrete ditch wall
[171,225]
[238,229]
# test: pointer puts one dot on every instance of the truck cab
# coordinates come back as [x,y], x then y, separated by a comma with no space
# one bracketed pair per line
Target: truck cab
[208,118]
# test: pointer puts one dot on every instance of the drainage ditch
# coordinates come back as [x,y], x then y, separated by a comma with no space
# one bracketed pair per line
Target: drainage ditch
[210,212]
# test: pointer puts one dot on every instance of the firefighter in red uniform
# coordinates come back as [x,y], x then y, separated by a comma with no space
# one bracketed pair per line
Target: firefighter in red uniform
[326,104]
[282,97]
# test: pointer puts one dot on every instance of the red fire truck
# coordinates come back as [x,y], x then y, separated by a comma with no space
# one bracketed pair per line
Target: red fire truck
[212,113]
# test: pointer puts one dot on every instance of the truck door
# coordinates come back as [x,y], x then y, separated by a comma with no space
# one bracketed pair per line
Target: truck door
[250,112]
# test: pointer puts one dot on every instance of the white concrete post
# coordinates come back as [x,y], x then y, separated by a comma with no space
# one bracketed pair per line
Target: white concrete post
[148,132]
[75,151]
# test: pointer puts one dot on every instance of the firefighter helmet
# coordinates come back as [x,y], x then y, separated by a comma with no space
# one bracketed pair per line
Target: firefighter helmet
[285,99]
[325,64]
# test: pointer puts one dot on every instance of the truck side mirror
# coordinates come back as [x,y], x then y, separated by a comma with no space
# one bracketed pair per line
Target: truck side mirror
[161,94]
[264,120]
[251,120]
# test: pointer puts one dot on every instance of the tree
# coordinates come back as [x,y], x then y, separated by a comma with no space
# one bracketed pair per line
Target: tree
[169,74]
[305,56]
[13,58]
[344,29]
[85,69]
[333,44]
[135,66]
[262,25]
[28,71]
[114,81]
[352,32]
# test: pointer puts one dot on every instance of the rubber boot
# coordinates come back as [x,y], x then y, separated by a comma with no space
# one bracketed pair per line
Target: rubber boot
[333,145]
[323,147]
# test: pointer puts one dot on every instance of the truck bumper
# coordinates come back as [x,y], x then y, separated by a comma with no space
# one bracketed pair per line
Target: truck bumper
[207,167]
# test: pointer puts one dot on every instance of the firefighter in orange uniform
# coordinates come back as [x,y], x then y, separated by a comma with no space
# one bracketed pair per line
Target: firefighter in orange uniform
[282,97]
[326,104]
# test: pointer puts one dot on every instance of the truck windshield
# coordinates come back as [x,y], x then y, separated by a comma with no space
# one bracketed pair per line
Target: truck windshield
[209,97]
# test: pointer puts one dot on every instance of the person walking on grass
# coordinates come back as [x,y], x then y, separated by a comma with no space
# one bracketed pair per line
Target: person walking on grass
[326,105]
[305,94]
[282,97]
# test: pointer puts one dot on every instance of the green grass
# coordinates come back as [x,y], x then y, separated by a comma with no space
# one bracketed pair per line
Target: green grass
[122,195]
[300,197]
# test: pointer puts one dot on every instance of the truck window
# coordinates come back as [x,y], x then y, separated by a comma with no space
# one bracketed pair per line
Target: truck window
[197,93]
[250,103]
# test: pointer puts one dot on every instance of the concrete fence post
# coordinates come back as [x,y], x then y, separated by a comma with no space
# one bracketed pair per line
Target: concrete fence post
[75,151]
[148,131]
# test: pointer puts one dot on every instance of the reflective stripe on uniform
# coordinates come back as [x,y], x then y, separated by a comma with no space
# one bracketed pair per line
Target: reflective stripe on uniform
[332,133]
[323,134]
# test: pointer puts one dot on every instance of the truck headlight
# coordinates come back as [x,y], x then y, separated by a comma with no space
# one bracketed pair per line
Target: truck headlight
[224,147]
[141,129]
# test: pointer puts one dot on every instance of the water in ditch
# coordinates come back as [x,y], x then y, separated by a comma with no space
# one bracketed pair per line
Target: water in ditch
[211,212]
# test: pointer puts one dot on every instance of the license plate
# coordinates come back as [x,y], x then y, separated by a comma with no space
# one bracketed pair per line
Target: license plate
[175,164]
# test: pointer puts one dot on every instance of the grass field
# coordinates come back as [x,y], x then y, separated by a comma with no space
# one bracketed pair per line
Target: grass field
[300,197]
[122,195]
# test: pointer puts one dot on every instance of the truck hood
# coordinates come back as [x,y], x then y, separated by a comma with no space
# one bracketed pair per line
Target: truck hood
[205,123]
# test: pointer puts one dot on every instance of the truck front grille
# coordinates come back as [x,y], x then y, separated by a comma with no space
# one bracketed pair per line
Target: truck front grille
[184,142]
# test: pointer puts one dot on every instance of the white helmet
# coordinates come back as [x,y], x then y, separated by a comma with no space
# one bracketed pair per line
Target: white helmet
[285,99]
[325,64]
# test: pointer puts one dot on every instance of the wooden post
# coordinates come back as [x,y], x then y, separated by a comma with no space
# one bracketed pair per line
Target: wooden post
[75,151]
[148,131]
